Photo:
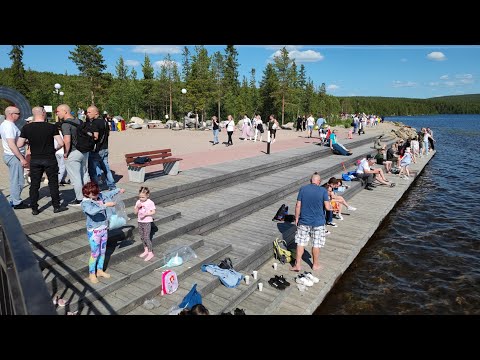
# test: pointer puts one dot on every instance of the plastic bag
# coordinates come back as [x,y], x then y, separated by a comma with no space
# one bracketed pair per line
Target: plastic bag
[117,216]
[178,255]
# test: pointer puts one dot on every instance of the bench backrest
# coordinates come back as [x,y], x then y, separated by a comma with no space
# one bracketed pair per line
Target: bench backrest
[154,154]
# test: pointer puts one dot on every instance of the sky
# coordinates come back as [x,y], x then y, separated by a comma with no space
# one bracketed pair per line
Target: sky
[416,71]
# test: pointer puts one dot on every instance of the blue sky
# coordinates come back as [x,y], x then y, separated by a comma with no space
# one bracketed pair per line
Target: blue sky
[416,71]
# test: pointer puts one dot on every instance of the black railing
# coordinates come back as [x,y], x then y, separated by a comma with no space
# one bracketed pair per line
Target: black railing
[22,287]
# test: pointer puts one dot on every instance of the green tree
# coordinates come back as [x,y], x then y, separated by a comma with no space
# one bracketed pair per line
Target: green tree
[254,98]
[282,64]
[170,77]
[323,90]
[200,83]
[90,63]
[121,69]
[148,87]
[185,63]
[230,80]
[268,88]
[18,70]
[218,75]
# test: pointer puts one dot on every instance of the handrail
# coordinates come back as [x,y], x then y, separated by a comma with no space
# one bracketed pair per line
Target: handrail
[22,288]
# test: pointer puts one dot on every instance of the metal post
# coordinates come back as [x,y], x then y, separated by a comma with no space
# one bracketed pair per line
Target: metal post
[268,147]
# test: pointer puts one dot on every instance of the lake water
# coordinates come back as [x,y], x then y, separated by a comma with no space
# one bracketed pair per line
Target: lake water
[425,259]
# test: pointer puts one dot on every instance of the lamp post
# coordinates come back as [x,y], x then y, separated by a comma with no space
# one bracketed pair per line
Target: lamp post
[59,93]
[184,91]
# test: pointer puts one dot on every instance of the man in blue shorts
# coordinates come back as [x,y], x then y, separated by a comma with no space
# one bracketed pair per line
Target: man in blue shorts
[312,200]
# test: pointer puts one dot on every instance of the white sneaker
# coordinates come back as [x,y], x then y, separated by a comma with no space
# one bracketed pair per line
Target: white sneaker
[351,208]
[332,224]
[339,217]
[311,277]
[301,279]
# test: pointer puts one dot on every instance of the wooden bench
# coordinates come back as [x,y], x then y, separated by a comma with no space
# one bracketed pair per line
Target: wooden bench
[136,172]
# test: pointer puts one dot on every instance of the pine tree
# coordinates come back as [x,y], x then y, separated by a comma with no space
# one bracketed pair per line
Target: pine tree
[200,82]
[218,75]
[268,88]
[90,63]
[185,63]
[282,64]
[121,69]
[18,70]
[230,80]
[149,96]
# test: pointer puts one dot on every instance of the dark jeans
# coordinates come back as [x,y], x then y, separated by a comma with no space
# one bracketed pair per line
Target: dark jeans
[50,167]
[230,137]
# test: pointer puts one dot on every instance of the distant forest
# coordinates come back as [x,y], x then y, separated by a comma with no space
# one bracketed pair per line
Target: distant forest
[212,85]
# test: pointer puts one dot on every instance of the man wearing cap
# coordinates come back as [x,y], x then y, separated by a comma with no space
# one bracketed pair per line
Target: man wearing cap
[365,172]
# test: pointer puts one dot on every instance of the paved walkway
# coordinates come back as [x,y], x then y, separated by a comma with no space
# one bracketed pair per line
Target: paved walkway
[195,147]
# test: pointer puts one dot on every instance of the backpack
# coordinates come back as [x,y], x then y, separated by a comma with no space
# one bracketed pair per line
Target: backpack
[281,212]
[142,160]
[85,142]
[169,282]
[226,264]
[280,251]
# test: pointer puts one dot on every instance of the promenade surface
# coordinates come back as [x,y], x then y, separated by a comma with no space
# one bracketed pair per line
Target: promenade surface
[196,149]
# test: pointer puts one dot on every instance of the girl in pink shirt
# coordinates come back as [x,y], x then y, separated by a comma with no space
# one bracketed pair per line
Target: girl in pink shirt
[145,208]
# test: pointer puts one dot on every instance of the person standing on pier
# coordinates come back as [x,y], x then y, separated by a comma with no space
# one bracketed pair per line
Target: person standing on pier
[312,199]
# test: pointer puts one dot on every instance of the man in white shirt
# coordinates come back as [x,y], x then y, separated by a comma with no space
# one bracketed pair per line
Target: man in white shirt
[365,172]
[13,156]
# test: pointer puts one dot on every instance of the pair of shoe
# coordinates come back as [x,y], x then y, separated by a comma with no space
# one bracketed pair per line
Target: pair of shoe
[59,209]
[303,280]
[311,277]
[351,208]
[103,274]
[332,224]
[281,279]
[273,282]
[22,205]
[339,217]
[369,187]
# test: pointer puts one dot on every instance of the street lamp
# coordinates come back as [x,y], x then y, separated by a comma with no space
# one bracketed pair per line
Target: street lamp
[184,91]
[59,93]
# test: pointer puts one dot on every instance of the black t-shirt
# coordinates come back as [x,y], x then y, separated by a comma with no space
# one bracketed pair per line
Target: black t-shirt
[215,125]
[40,137]
[101,126]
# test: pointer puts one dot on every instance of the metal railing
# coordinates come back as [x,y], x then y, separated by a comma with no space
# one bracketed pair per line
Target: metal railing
[22,287]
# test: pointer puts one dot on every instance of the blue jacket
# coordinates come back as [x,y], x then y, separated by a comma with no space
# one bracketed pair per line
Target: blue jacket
[229,277]
[96,211]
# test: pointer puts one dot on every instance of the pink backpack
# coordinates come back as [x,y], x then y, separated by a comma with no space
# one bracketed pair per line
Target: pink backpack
[169,282]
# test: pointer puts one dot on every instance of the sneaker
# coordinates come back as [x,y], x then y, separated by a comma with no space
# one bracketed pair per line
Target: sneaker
[277,285]
[310,276]
[301,287]
[339,217]
[282,280]
[351,208]
[332,224]
[35,211]
[59,209]
[75,202]
[239,311]
[301,279]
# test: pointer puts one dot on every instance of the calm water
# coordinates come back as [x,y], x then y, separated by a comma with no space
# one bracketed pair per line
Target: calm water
[425,259]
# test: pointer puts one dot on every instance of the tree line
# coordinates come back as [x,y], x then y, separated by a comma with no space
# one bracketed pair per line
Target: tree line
[213,86]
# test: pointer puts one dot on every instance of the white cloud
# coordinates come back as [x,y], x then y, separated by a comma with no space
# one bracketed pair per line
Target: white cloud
[434,83]
[444,77]
[158,64]
[156,49]
[132,63]
[398,83]
[333,87]
[436,56]
[403,60]
[464,76]
[302,56]
[450,83]
[466,81]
